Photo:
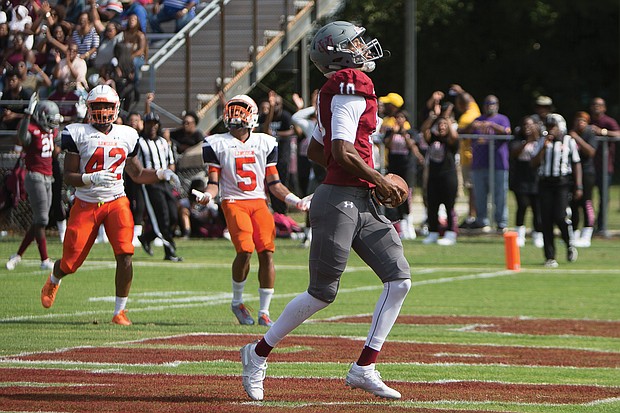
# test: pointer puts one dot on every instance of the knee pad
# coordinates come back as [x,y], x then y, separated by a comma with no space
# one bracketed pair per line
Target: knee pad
[400,287]
[324,292]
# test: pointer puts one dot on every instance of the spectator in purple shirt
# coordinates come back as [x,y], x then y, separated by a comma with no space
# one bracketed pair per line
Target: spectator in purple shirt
[491,122]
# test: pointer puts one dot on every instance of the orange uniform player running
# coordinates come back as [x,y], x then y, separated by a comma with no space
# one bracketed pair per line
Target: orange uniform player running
[240,163]
[97,153]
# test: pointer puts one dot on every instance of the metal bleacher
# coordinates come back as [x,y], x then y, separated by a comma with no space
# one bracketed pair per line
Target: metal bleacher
[229,47]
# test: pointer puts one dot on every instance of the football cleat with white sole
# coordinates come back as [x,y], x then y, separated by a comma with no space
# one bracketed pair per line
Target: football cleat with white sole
[254,368]
[369,379]
[13,261]
[47,264]
[551,263]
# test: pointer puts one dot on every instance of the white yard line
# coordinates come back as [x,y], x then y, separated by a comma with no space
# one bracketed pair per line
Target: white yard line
[189,301]
[193,299]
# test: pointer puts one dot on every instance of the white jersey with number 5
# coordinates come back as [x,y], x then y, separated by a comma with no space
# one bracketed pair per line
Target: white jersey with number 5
[101,151]
[242,165]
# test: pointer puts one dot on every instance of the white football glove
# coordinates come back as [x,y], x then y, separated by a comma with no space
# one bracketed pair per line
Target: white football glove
[81,108]
[34,99]
[170,176]
[101,178]
[202,197]
[304,204]
[293,200]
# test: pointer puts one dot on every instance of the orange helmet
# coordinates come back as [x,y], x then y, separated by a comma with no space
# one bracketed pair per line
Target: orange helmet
[103,105]
[241,112]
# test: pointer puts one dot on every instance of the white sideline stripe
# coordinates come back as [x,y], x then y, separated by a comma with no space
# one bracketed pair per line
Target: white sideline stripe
[118,366]
[191,298]
[98,265]
[435,403]
[603,401]
[491,402]
[48,384]
[132,310]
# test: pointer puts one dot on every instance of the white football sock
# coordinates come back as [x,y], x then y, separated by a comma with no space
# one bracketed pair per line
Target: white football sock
[120,304]
[237,292]
[386,311]
[265,295]
[298,310]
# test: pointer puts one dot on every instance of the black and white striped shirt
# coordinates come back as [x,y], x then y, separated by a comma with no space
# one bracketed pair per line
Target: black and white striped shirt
[156,153]
[559,158]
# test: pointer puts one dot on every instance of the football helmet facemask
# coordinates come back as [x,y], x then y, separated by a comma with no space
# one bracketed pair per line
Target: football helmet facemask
[339,45]
[241,112]
[103,105]
[47,115]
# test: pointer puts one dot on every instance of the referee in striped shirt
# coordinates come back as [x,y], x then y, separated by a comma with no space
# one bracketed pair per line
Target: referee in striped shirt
[559,170]
[160,202]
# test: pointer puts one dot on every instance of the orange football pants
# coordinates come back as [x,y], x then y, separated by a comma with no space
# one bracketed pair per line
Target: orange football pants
[250,224]
[83,227]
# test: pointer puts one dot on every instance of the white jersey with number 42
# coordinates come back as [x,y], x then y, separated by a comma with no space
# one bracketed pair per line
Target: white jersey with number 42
[101,151]
[242,165]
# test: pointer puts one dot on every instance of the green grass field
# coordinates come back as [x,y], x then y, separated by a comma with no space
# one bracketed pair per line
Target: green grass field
[468,279]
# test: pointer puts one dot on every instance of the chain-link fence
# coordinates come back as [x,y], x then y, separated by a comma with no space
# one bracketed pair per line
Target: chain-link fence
[18,219]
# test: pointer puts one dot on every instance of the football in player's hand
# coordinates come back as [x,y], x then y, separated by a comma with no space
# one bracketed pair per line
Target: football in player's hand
[388,202]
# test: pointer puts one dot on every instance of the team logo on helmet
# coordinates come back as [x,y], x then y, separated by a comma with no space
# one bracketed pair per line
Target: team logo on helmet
[339,45]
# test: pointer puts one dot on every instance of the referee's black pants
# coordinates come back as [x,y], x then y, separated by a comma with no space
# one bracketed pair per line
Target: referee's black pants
[554,199]
[165,214]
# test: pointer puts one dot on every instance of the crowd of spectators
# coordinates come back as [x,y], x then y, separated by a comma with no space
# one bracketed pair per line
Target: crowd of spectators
[69,46]
[535,152]
[60,51]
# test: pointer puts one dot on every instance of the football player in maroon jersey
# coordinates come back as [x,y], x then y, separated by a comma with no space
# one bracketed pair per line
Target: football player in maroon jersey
[342,214]
[36,134]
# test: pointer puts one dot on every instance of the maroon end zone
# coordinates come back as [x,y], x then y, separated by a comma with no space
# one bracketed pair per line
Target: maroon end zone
[34,389]
[335,349]
[510,325]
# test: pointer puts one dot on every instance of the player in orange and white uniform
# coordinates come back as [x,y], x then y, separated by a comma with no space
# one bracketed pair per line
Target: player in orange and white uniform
[240,164]
[96,155]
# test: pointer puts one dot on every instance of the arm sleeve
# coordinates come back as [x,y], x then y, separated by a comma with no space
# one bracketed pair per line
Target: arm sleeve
[346,113]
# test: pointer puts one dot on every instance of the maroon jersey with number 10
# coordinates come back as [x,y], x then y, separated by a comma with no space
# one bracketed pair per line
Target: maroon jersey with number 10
[348,82]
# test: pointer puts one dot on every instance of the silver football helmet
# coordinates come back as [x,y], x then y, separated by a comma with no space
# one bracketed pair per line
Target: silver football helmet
[339,45]
[47,115]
